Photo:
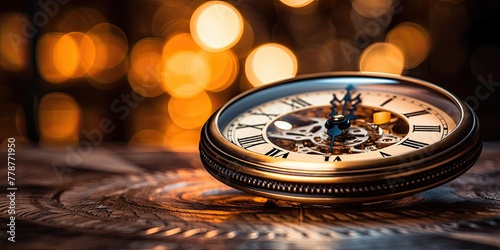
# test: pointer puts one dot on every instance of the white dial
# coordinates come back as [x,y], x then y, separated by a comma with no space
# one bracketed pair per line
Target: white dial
[293,127]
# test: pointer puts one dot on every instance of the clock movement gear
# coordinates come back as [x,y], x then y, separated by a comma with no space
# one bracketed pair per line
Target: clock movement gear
[307,135]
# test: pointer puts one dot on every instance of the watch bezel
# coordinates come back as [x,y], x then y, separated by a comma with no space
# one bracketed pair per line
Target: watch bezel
[462,139]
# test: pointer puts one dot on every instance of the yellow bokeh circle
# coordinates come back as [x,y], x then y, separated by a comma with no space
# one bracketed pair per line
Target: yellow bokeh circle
[382,58]
[413,40]
[269,63]
[297,3]
[216,26]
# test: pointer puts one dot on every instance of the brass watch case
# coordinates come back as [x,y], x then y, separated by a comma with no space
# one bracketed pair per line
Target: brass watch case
[343,182]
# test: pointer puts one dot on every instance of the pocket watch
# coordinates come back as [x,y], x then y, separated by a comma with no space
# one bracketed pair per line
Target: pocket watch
[341,138]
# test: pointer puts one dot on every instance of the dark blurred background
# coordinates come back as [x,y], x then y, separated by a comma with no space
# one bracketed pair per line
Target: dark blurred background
[150,72]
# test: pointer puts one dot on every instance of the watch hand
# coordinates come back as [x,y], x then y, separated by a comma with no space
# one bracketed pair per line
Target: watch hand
[349,103]
[335,125]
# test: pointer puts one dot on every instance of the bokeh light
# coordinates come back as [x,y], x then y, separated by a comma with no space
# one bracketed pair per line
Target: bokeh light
[111,45]
[180,53]
[297,3]
[190,113]
[59,119]
[62,56]
[86,53]
[224,69]
[371,8]
[216,26]
[100,54]
[14,46]
[45,58]
[66,55]
[269,63]
[382,58]
[413,40]
[144,75]
[185,72]
[111,48]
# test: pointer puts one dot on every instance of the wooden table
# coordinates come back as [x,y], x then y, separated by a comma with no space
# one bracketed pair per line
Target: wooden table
[120,198]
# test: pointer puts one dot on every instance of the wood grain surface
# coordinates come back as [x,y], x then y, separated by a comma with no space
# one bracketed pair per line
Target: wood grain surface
[166,200]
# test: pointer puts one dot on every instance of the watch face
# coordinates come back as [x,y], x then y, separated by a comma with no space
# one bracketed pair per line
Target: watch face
[341,131]
[293,127]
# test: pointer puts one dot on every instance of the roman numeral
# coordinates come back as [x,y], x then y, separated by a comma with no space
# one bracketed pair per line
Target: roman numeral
[388,101]
[277,153]
[251,141]
[413,144]
[327,158]
[296,103]
[384,154]
[416,113]
[260,112]
[425,128]
[255,126]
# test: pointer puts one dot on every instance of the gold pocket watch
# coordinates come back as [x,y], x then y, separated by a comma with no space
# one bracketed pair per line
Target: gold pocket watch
[341,138]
